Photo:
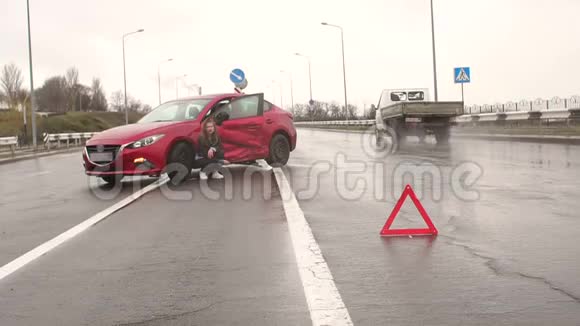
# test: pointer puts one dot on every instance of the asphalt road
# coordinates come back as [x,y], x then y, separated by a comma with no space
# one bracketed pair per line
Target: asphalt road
[507,256]
[221,254]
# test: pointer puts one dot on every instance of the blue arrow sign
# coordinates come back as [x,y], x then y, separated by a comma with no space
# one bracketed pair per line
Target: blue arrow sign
[237,76]
[461,75]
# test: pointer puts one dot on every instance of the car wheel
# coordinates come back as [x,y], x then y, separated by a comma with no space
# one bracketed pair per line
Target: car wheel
[112,179]
[180,158]
[279,151]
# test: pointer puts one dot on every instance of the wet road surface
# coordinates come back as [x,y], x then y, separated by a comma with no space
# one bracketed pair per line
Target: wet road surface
[507,254]
[507,251]
[40,198]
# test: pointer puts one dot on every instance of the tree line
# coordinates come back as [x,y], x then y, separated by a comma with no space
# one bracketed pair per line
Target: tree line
[320,111]
[61,93]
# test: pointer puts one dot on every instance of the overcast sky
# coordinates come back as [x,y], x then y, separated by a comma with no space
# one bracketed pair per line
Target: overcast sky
[517,49]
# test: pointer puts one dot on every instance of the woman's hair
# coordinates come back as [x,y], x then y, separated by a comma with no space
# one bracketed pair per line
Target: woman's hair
[213,138]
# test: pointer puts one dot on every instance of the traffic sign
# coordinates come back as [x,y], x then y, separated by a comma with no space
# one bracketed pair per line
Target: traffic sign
[461,75]
[237,76]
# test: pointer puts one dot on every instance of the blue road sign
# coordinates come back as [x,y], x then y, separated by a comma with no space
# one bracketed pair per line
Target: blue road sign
[461,75]
[237,76]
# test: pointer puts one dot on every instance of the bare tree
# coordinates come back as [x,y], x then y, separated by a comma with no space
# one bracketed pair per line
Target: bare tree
[352,111]
[334,110]
[11,83]
[134,105]
[117,101]
[146,108]
[72,79]
[52,96]
[98,99]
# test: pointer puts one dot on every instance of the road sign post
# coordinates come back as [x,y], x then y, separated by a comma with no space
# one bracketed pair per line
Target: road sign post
[238,77]
[462,75]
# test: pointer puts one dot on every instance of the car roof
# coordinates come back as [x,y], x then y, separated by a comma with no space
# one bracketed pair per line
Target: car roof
[210,96]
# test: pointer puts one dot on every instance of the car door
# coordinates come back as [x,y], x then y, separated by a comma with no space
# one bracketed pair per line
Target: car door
[242,132]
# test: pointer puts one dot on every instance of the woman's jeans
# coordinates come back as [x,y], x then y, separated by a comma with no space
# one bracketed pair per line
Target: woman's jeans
[208,165]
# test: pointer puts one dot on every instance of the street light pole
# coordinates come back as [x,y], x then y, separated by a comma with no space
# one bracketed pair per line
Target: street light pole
[309,73]
[33,110]
[125,75]
[177,86]
[343,66]
[434,59]
[159,77]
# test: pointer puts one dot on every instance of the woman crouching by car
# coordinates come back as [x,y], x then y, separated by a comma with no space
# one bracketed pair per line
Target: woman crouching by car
[211,153]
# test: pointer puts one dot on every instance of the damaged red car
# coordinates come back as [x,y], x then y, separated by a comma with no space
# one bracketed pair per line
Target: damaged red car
[250,127]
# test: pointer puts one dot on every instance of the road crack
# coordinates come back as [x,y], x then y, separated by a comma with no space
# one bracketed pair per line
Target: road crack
[492,264]
[168,317]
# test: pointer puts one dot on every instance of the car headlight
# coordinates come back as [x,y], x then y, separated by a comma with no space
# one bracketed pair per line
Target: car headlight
[149,140]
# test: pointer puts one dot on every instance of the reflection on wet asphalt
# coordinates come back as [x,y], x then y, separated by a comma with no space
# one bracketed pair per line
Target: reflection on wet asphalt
[507,214]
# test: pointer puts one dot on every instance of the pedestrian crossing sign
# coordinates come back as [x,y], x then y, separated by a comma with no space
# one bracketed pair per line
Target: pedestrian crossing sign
[461,75]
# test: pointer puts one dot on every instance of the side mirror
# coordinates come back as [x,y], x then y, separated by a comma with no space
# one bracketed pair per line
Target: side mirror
[220,117]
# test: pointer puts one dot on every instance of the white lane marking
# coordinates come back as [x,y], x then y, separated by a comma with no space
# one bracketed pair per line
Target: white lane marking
[36,174]
[324,301]
[44,248]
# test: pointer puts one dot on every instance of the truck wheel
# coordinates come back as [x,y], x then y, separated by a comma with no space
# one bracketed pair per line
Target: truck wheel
[180,157]
[279,151]
[442,135]
[379,139]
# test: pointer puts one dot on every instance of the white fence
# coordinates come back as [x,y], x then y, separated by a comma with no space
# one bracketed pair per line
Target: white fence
[76,138]
[559,114]
[555,103]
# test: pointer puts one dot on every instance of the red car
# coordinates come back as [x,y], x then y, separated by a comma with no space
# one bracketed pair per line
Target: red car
[250,128]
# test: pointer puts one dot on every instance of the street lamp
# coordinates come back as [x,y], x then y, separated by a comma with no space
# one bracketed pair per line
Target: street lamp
[177,86]
[33,111]
[291,88]
[434,59]
[343,66]
[309,73]
[125,74]
[159,77]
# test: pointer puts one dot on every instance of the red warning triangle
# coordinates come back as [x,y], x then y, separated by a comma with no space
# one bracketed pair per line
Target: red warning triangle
[430,230]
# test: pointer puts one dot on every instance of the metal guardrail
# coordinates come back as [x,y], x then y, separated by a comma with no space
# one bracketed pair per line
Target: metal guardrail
[77,138]
[12,142]
[337,123]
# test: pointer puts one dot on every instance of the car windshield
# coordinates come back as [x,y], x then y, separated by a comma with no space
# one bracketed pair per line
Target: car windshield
[176,111]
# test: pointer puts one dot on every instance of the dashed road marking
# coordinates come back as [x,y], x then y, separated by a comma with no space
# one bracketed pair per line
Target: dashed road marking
[44,248]
[324,301]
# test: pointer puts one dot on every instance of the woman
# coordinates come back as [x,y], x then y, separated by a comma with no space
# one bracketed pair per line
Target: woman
[210,150]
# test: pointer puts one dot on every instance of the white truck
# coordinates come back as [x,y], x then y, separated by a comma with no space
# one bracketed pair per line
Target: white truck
[407,112]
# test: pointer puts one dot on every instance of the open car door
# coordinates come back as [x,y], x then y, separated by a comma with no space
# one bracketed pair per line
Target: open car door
[240,126]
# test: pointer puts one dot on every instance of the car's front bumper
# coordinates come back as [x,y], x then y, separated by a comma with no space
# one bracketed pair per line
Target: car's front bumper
[127,161]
